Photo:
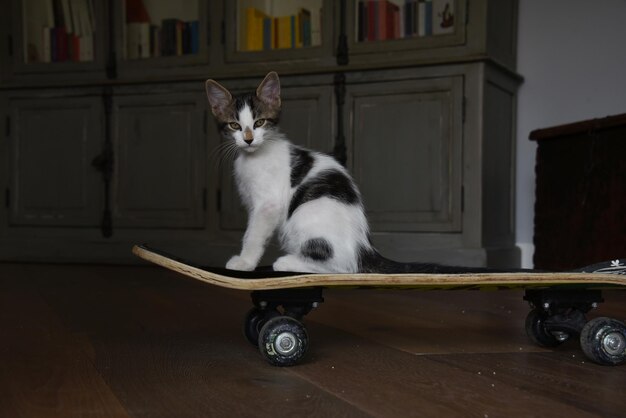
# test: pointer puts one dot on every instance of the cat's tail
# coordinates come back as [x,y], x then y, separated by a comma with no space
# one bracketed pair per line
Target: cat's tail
[371,261]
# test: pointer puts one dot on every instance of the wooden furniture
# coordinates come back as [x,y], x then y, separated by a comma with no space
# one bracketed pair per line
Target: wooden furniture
[119,149]
[580,212]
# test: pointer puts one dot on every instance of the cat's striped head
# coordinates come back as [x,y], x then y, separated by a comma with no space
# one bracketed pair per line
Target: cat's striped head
[249,119]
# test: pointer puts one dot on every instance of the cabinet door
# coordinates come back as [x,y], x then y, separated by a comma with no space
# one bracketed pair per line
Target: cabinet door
[405,149]
[53,141]
[159,156]
[306,119]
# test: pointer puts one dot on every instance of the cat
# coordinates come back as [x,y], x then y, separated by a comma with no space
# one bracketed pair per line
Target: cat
[306,197]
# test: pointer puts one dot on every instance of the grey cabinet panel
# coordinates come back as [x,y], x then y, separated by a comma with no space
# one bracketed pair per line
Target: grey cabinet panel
[159,161]
[53,142]
[306,119]
[405,145]
[498,197]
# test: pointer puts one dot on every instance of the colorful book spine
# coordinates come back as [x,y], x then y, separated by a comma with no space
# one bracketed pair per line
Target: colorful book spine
[254,29]
[428,18]
[263,32]
[269,33]
[305,27]
[194,27]
[283,32]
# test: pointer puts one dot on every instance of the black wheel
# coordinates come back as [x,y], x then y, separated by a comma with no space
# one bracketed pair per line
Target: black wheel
[603,340]
[254,321]
[536,330]
[283,341]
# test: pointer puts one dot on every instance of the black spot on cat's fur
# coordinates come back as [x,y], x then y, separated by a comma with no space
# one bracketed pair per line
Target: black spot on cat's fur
[301,163]
[317,249]
[242,100]
[328,183]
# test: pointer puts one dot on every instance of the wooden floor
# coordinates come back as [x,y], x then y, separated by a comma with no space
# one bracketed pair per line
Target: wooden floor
[141,341]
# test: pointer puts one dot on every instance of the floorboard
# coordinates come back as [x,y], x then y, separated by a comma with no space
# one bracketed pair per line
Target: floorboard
[136,341]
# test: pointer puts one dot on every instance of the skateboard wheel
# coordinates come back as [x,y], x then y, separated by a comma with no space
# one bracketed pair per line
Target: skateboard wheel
[536,330]
[283,341]
[603,340]
[254,321]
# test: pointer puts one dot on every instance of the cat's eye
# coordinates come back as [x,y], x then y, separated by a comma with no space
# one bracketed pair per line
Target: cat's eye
[259,123]
[234,126]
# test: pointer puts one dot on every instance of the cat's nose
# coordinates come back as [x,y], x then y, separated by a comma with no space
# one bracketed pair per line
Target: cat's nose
[248,136]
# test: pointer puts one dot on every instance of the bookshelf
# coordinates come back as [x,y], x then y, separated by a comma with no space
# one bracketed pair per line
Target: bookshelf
[132,98]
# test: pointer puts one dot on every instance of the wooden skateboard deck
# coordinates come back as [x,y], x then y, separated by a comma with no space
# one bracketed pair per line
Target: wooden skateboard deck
[598,276]
[559,302]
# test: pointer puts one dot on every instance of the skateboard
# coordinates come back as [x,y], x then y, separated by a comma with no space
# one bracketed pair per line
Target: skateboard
[559,302]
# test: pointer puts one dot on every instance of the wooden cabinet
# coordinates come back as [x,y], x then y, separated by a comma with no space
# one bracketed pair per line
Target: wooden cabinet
[422,115]
[580,206]
[51,180]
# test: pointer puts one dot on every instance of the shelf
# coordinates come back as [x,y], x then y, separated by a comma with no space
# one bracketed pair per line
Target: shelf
[265,25]
[156,28]
[58,31]
[385,20]
[417,27]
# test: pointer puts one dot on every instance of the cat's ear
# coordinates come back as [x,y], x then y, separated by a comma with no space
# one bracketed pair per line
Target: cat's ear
[269,90]
[219,97]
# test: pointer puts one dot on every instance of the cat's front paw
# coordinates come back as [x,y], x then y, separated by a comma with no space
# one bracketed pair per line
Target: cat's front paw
[238,263]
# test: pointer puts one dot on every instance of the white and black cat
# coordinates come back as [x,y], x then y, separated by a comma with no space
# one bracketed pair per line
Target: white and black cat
[306,197]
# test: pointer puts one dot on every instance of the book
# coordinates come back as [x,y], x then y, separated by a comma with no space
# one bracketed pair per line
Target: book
[381,20]
[293,26]
[372,20]
[86,48]
[253,40]
[283,32]
[194,36]
[73,47]
[180,28]
[46,47]
[424,18]
[316,27]
[269,35]
[168,37]
[305,27]
[155,41]
[428,18]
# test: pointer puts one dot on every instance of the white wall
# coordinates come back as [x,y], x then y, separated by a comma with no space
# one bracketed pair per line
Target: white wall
[572,55]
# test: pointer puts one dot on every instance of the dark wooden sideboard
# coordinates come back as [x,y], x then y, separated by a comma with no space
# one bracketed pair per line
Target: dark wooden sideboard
[580,208]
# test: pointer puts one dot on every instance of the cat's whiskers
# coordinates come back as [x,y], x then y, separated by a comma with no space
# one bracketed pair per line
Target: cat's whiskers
[223,153]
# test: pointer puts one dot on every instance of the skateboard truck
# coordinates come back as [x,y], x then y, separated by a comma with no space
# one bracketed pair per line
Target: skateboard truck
[275,326]
[557,315]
